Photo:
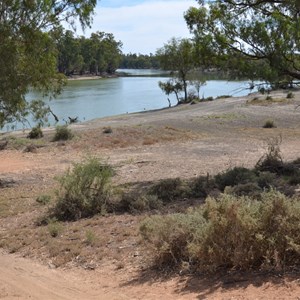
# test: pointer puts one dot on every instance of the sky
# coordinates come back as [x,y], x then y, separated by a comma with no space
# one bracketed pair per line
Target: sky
[142,26]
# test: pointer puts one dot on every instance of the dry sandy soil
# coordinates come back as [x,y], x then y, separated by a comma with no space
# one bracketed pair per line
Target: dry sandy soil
[112,263]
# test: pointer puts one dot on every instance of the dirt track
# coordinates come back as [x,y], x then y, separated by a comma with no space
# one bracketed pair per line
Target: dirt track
[181,142]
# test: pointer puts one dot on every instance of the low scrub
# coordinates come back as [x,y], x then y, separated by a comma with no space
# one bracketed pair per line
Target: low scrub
[269,124]
[228,232]
[235,176]
[62,133]
[168,189]
[35,133]
[84,190]
[135,202]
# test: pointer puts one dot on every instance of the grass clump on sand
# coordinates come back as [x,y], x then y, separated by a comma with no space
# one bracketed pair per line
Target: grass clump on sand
[228,232]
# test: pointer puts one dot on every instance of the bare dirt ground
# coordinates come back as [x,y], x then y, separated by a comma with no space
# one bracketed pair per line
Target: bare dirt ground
[185,142]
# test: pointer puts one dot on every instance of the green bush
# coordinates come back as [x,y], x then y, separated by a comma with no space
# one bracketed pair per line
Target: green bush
[290,95]
[62,133]
[229,233]
[250,189]
[84,190]
[266,180]
[272,160]
[138,202]
[168,189]
[235,176]
[35,133]
[43,199]
[54,227]
[201,186]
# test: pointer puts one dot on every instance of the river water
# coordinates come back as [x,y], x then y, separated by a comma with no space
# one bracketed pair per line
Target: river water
[90,99]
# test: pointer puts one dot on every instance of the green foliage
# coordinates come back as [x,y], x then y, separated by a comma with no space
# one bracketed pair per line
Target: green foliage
[201,186]
[35,133]
[54,227]
[271,161]
[43,199]
[269,124]
[28,53]
[62,133]
[138,202]
[261,43]
[168,189]
[229,233]
[171,86]
[235,176]
[90,237]
[139,61]
[178,56]
[84,190]
[250,189]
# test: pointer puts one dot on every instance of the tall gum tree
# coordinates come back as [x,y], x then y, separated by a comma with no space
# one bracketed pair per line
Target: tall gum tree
[28,54]
[257,39]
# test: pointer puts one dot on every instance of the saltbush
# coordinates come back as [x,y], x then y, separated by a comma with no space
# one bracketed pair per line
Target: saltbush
[35,133]
[138,202]
[235,176]
[228,232]
[62,133]
[84,190]
[168,189]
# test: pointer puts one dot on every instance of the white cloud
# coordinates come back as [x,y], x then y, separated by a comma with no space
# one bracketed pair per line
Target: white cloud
[143,27]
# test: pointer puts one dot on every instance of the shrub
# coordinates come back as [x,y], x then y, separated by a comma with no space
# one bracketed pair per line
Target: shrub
[235,176]
[168,189]
[269,124]
[138,202]
[62,133]
[266,180]
[84,190]
[290,95]
[35,133]
[54,227]
[207,99]
[90,238]
[43,199]
[272,160]
[250,189]
[269,98]
[107,130]
[201,186]
[229,233]
[223,96]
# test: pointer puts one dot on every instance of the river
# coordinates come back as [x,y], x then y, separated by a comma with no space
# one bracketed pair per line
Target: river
[90,99]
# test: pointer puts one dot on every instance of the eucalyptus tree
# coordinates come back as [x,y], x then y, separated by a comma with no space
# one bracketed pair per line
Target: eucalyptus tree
[28,53]
[178,56]
[70,59]
[258,39]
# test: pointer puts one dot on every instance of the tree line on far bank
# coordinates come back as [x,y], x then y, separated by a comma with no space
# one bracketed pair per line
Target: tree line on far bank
[101,53]
[98,54]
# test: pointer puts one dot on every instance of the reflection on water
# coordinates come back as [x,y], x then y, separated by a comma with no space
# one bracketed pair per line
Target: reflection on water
[90,99]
